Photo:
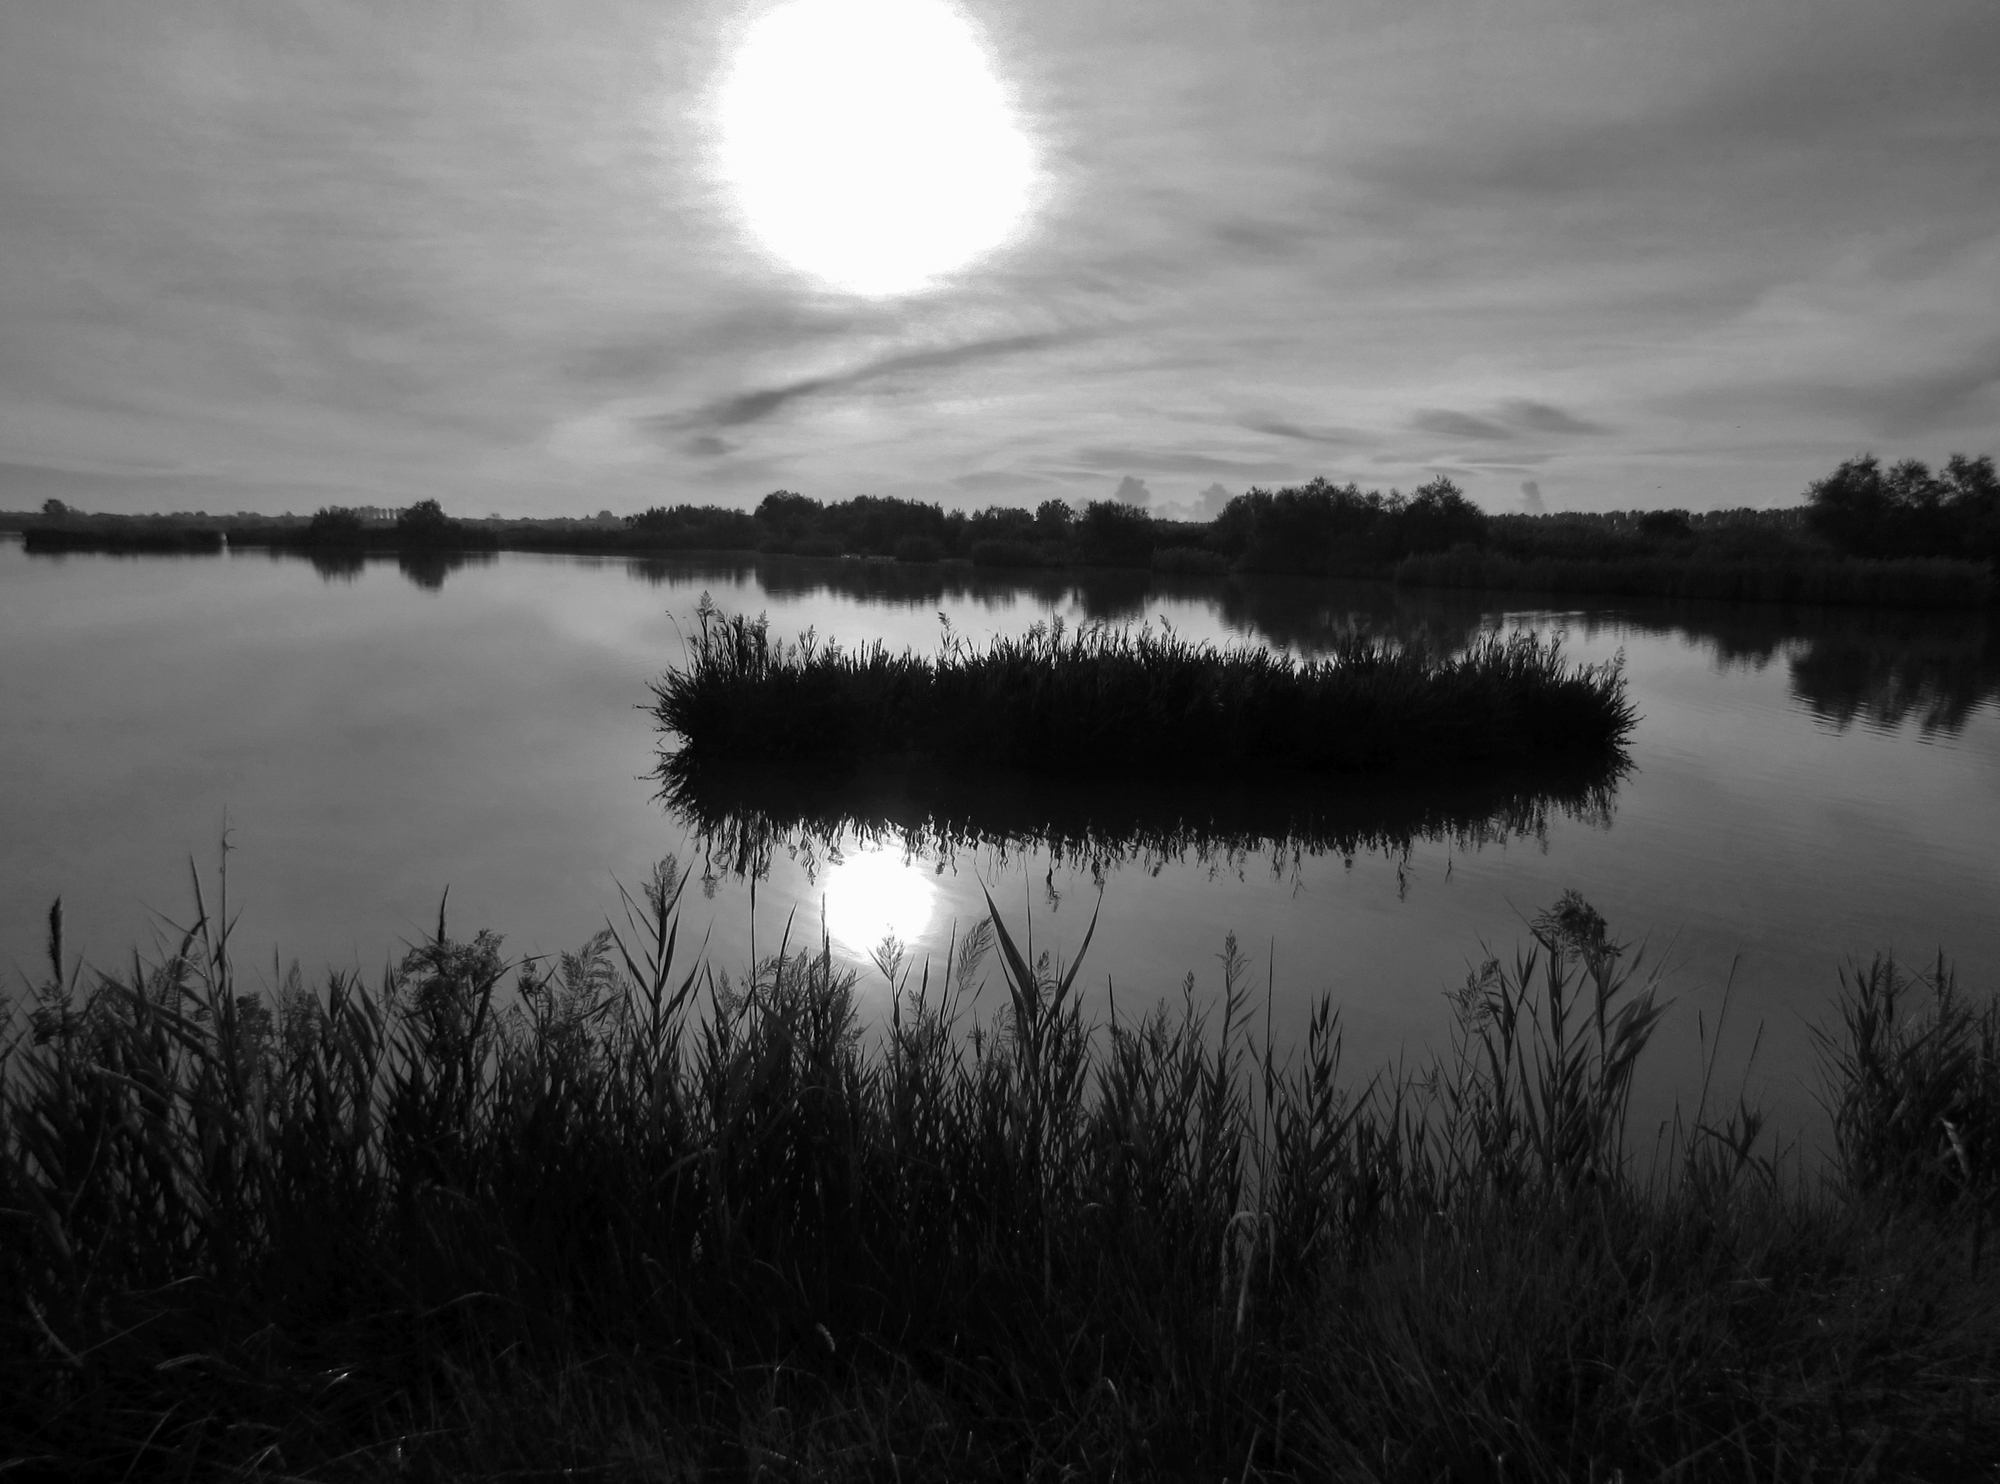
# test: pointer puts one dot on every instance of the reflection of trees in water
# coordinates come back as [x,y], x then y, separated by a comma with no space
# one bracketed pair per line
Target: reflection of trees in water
[1879,666]
[334,565]
[1939,679]
[1303,614]
[888,583]
[1311,615]
[428,569]
[1882,667]
[742,816]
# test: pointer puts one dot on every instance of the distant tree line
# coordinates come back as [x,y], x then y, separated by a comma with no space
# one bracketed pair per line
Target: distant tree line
[1316,527]
[1861,512]
[421,527]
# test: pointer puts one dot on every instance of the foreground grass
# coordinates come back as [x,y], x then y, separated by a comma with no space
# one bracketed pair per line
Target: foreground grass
[1095,700]
[645,1221]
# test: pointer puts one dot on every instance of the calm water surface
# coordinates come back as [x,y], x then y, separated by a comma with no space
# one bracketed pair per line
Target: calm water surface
[1805,788]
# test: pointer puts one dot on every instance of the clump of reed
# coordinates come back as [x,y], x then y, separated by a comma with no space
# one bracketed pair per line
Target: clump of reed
[638,1218]
[1095,699]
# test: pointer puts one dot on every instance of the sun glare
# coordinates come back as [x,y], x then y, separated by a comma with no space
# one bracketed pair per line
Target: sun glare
[870,144]
[872,894]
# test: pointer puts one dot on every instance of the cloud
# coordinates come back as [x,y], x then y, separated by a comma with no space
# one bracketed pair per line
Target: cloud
[1540,417]
[1507,421]
[1959,393]
[1458,424]
[1133,492]
[1531,497]
[708,446]
[1114,456]
[755,406]
[1926,401]
[1278,428]
[1000,482]
[1213,499]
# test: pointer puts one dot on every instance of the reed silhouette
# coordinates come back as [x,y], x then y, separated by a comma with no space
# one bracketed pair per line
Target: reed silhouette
[636,1217]
[1099,700]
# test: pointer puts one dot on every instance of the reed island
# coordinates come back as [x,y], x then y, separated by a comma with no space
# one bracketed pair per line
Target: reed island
[1099,699]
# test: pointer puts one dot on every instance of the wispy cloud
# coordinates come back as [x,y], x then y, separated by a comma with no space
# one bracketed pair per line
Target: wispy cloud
[1507,421]
[1540,417]
[1331,437]
[764,402]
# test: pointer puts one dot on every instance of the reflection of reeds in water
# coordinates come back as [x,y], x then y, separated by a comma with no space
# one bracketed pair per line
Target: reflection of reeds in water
[742,814]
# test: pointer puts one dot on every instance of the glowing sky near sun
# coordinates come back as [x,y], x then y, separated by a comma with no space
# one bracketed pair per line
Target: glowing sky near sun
[870,144]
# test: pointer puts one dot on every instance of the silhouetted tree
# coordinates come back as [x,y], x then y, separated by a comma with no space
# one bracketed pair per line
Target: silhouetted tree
[1115,535]
[1436,518]
[1866,510]
[334,525]
[426,524]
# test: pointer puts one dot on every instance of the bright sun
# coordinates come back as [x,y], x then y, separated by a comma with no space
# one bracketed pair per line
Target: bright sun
[870,144]
[872,893]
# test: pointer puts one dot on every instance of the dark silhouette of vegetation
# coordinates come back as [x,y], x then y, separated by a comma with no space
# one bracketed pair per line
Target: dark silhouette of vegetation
[418,533]
[60,529]
[1906,511]
[1100,700]
[1866,537]
[743,815]
[633,1217]
[693,528]
[335,525]
[1326,529]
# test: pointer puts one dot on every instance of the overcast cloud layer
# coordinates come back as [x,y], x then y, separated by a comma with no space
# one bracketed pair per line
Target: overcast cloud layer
[272,254]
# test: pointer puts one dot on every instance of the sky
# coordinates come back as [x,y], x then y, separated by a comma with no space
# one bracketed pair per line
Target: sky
[1573,254]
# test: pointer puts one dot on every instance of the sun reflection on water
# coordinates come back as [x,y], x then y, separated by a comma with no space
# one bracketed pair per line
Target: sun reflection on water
[874,892]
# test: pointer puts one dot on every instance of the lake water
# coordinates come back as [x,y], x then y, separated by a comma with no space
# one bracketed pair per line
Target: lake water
[1805,788]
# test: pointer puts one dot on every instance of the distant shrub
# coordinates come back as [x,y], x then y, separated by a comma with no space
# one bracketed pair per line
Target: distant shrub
[1008,553]
[1114,535]
[1324,528]
[426,524]
[334,525]
[1191,560]
[919,549]
[1054,517]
